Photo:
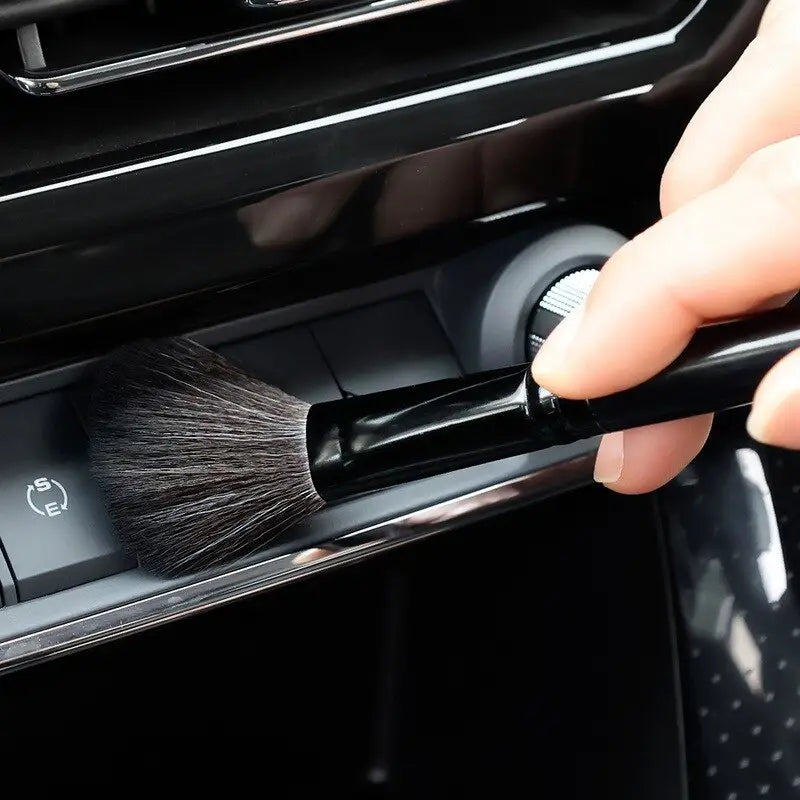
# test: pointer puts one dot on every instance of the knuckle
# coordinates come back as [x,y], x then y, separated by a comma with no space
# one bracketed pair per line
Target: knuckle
[780,16]
[778,42]
[674,186]
[776,168]
[684,177]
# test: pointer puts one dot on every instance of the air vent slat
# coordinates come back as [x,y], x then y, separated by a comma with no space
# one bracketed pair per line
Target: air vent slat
[122,39]
[75,44]
[16,13]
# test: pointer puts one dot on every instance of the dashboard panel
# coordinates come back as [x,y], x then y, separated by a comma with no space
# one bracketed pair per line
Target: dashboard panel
[345,197]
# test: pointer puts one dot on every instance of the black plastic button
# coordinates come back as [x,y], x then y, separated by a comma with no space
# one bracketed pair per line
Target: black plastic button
[386,346]
[288,359]
[53,525]
[8,591]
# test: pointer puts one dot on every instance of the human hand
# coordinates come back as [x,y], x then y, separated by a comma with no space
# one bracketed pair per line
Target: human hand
[728,244]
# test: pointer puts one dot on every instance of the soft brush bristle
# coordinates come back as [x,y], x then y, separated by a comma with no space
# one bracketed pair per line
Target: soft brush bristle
[198,462]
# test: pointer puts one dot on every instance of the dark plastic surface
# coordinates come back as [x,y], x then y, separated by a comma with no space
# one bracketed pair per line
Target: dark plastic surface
[53,525]
[334,193]
[14,13]
[288,359]
[386,346]
[346,67]
[386,191]
[514,275]
[496,658]
[254,343]
[731,520]
[8,589]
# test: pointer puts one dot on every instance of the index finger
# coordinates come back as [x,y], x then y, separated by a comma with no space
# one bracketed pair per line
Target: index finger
[755,105]
[721,255]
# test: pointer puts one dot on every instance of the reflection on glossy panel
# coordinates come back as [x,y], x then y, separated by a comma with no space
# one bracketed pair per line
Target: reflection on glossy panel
[353,196]
[731,524]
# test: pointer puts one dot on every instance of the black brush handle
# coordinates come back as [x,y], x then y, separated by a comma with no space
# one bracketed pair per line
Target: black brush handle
[371,442]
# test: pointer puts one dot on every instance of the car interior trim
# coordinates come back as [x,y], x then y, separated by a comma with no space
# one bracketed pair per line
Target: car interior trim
[205,594]
[121,69]
[539,68]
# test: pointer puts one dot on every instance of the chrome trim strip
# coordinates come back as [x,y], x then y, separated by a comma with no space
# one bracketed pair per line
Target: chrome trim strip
[217,590]
[106,72]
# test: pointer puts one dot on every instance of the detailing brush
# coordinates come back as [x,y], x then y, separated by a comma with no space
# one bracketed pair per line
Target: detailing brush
[200,463]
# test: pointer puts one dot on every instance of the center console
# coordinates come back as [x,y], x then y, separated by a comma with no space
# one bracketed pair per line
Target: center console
[344,198]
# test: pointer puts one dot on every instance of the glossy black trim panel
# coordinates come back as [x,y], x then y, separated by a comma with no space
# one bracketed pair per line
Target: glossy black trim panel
[731,524]
[175,600]
[353,137]
[435,500]
[48,83]
[16,13]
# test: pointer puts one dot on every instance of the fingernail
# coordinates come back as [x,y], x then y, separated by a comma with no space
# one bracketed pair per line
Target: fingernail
[610,458]
[758,422]
[554,353]
[764,411]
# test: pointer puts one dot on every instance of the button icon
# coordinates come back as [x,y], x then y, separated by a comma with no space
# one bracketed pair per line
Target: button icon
[47,497]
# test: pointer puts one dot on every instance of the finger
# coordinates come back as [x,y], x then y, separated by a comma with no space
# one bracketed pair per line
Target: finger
[775,415]
[755,105]
[644,459]
[778,12]
[725,253]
